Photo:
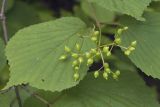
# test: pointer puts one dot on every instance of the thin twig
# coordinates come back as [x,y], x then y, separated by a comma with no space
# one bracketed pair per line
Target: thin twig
[36,96]
[94,15]
[99,27]
[98,24]
[102,57]
[3,20]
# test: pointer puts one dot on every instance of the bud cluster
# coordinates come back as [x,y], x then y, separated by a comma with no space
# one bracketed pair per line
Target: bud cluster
[130,48]
[90,56]
[118,41]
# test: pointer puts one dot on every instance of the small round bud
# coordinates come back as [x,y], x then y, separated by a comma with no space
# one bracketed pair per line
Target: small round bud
[131,48]
[88,55]
[94,38]
[105,49]
[106,65]
[120,31]
[93,51]
[134,43]
[96,33]
[78,46]
[118,40]
[63,57]
[98,53]
[80,59]
[115,76]
[76,68]
[75,63]
[76,76]
[125,28]
[117,72]
[127,52]
[90,61]
[108,70]
[67,49]
[105,75]
[109,53]
[96,74]
[74,55]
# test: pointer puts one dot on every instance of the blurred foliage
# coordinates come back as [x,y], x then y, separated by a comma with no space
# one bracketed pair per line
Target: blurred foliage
[9,4]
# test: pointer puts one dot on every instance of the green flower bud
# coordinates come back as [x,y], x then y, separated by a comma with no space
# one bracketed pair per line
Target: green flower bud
[108,53]
[78,47]
[127,52]
[106,65]
[94,38]
[118,40]
[90,61]
[115,76]
[76,68]
[80,59]
[88,55]
[108,70]
[134,43]
[76,76]
[74,55]
[63,57]
[96,33]
[98,53]
[105,49]
[117,72]
[120,31]
[125,28]
[93,51]
[105,75]
[131,48]
[67,49]
[75,63]
[96,74]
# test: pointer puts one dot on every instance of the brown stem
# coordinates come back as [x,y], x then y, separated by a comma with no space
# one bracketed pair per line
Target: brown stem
[3,20]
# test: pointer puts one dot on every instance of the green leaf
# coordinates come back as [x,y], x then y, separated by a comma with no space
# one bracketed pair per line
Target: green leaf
[147,53]
[6,99]
[122,62]
[134,8]
[2,55]
[101,13]
[128,91]
[4,76]
[38,49]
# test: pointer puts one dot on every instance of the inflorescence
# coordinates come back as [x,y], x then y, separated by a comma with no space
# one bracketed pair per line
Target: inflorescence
[100,51]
